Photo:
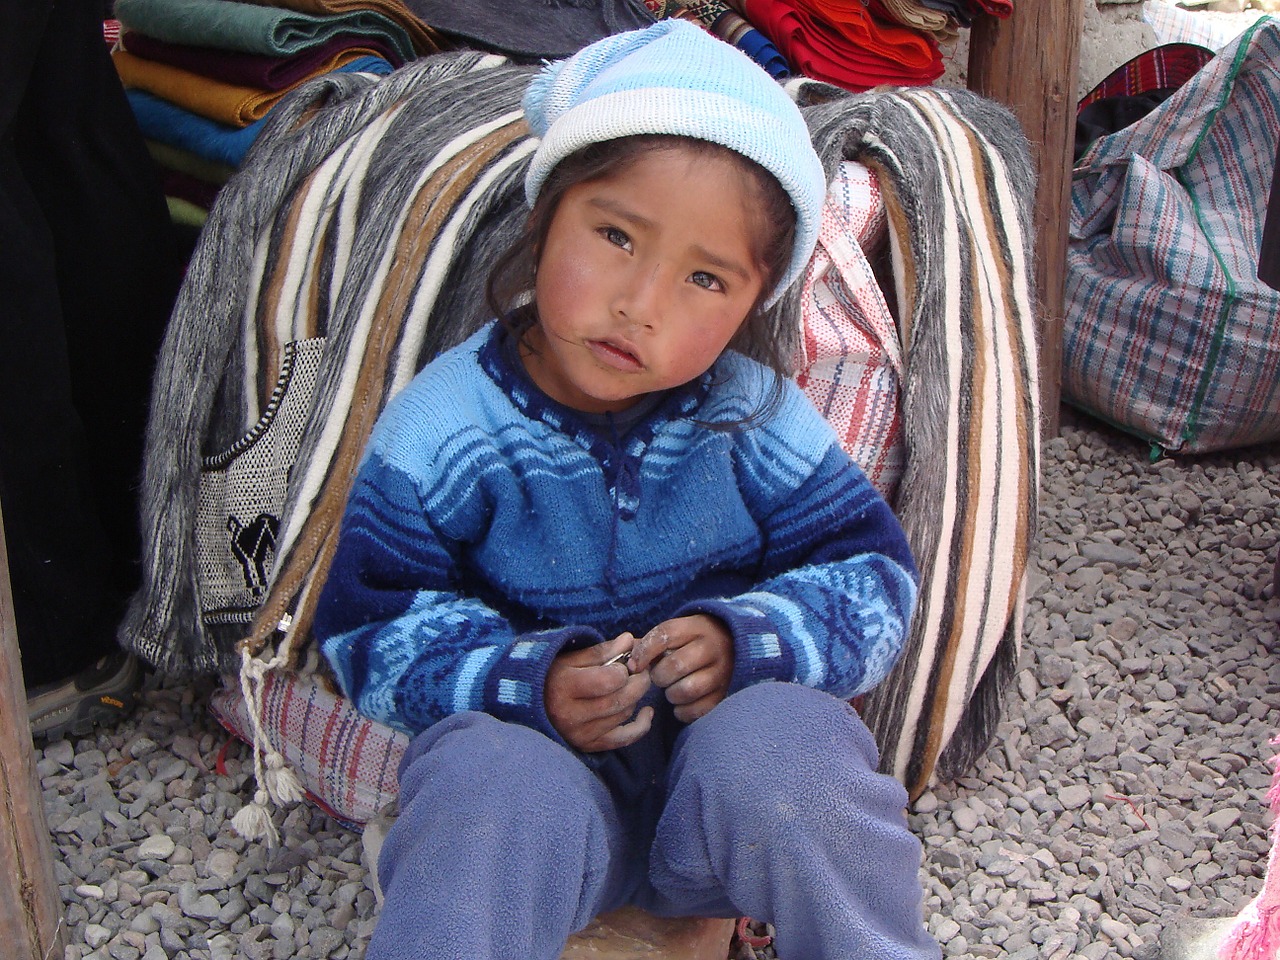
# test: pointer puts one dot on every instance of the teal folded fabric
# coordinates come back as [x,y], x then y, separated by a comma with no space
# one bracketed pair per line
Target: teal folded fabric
[249,28]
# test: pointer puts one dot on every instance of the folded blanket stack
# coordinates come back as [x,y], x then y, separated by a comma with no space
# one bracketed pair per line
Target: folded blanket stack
[728,24]
[854,44]
[202,75]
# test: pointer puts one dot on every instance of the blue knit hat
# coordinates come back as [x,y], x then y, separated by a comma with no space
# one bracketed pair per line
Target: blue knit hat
[675,78]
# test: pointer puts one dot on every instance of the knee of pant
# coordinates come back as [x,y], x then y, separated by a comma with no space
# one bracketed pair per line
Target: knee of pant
[478,762]
[499,795]
[769,741]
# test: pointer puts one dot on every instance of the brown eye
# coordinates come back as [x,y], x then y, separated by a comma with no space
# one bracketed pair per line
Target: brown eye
[616,237]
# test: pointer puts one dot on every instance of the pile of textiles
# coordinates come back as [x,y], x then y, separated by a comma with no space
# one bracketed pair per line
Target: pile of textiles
[202,75]
[854,44]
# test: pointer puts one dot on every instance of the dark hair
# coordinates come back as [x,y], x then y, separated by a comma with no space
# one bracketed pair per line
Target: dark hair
[761,337]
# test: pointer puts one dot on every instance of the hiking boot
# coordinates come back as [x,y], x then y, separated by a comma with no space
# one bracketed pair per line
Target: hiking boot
[104,693]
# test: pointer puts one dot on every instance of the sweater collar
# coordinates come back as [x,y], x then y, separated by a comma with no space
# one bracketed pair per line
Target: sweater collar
[500,362]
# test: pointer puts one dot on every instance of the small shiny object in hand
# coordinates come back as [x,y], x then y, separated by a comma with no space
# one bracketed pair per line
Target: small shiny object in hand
[623,657]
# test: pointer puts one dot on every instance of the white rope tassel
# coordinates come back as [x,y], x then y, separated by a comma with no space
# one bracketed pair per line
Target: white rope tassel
[281,782]
[254,819]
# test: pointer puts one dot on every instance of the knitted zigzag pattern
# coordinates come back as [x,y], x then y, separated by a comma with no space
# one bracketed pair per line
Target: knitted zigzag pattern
[479,541]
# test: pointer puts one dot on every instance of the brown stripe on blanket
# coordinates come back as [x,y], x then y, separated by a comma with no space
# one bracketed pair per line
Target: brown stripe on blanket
[270,299]
[906,283]
[304,569]
[931,735]
[1015,392]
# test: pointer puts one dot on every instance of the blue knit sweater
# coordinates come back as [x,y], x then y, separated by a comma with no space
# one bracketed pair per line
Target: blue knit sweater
[490,527]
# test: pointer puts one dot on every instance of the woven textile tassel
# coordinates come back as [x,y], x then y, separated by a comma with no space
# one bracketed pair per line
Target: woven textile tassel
[281,782]
[253,820]
[276,782]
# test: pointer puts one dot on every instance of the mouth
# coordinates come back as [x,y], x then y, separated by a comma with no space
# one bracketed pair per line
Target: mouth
[615,354]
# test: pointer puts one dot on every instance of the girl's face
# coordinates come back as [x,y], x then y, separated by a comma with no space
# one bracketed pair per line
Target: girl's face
[644,278]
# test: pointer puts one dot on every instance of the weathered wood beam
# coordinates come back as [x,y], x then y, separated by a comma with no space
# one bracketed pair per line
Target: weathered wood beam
[30,908]
[1030,63]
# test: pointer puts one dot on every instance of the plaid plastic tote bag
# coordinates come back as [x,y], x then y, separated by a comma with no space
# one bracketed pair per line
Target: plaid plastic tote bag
[1168,332]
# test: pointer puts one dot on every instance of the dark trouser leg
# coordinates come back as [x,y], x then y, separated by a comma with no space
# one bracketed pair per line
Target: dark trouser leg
[86,280]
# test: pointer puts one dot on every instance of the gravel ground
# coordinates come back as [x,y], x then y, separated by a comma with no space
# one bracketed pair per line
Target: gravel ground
[1126,784]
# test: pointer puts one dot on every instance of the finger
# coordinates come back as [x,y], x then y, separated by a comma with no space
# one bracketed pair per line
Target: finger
[694,686]
[594,682]
[653,645]
[611,650]
[681,662]
[624,734]
[699,708]
[600,718]
[618,702]
[598,653]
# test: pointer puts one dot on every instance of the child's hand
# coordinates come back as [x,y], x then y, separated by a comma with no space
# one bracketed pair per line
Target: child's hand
[591,702]
[691,658]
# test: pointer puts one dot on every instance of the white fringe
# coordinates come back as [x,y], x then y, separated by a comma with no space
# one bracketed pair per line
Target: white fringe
[276,783]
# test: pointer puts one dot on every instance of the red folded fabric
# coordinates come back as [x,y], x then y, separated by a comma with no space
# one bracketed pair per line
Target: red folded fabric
[999,8]
[838,42]
[251,69]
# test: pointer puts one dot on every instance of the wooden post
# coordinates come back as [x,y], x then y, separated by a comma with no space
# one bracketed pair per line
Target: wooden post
[1030,62]
[633,934]
[30,908]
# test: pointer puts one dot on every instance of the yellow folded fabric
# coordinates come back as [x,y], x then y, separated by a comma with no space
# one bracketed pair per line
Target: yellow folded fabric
[185,213]
[919,17]
[227,103]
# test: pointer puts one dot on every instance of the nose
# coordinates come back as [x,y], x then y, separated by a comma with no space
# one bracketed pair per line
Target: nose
[642,295]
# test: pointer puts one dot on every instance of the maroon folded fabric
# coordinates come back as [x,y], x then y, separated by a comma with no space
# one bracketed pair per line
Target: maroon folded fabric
[999,8]
[175,183]
[251,69]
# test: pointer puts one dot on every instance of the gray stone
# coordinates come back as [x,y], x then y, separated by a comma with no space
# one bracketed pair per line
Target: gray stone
[145,922]
[1075,795]
[96,935]
[222,864]
[206,907]
[159,847]
[1106,552]
[60,752]
[325,940]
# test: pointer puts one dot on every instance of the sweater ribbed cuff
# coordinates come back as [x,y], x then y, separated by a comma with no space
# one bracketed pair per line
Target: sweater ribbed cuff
[515,687]
[758,652]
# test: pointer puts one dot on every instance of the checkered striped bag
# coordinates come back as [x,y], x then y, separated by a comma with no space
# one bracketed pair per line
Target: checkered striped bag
[849,360]
[346,763]
[1168,332]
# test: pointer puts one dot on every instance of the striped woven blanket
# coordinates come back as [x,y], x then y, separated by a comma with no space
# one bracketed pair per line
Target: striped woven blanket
[957,183]
[352,247]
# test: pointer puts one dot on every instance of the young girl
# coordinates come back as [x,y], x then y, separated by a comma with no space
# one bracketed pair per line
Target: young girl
[617,579]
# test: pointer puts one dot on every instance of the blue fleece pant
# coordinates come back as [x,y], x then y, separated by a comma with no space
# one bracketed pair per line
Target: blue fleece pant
[767,807]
